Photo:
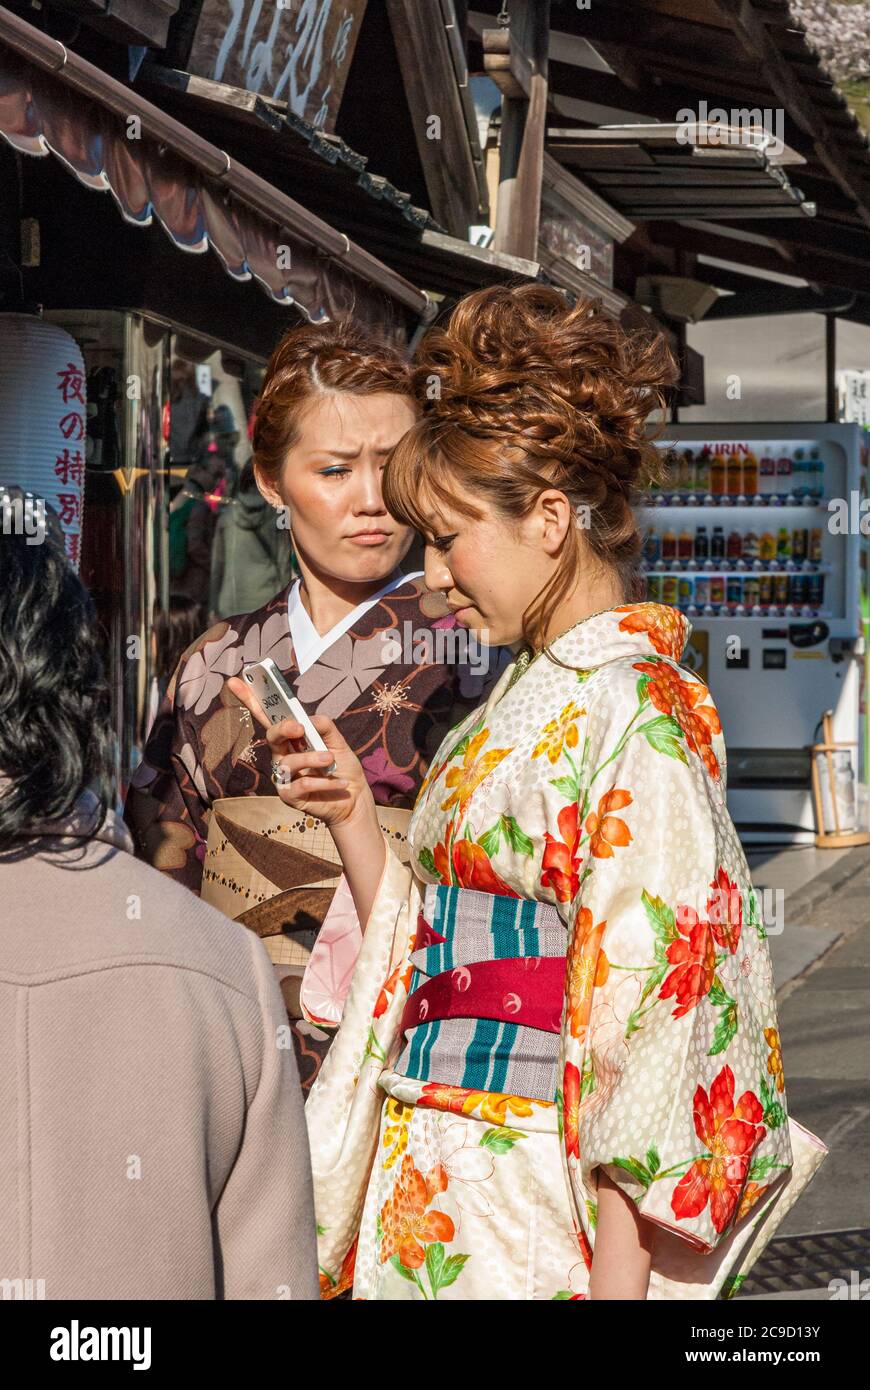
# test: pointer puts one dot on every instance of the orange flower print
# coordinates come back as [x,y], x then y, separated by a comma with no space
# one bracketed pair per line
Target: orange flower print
[495,1107]
[732,1133]
[588,967]
[560,866]
[466,779]
[606,830]
[683,699]
[399,976]
[406,1223]
[774,1060]
[571,1110]
[663,626]
[559,732]
[753,1193]
[331,1288]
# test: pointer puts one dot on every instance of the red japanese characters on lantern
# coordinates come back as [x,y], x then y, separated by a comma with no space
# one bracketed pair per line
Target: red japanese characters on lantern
[43,419]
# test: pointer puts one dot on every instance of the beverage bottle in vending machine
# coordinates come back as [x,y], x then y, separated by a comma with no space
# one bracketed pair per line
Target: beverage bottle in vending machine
[799,472]
[717,474]
[702,590]
[816,545]
[717,544]
[751,546]
[717,588]
[750,473]
[733,474]
[702,470]
[652,548]
[702,543]
[669,544]
[734,548]
[799,540]
[783,473]
[815,596]
[685,543]
[670,589]
[766,474]
[783,545]
[768,546]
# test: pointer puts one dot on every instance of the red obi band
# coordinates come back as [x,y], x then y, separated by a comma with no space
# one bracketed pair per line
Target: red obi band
[528,990]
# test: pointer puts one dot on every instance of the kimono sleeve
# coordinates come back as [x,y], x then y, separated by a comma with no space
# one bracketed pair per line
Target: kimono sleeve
[167,804]
[344,1105]
[671,1072]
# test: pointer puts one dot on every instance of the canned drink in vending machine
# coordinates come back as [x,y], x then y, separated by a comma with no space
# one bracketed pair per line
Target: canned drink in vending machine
[734,589]
[798,588]
[702,590]
[751,590]
[654,588]
[816,594]
[685,591]
[670,589]
[765,590]
[780,588]
[717,588]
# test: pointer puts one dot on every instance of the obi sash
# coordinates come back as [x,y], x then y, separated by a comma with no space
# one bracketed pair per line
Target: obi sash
[485,1004]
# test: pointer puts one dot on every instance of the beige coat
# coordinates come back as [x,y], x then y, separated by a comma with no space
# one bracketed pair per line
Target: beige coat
[153,1138]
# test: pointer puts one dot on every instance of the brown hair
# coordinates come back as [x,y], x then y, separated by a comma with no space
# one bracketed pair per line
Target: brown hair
[311,361]
[522,393]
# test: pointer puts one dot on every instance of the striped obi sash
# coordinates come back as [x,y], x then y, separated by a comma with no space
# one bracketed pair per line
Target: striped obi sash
[485,1004]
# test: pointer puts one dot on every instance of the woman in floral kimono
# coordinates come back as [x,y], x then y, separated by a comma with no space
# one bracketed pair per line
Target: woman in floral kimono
[332,404]
[558,1073]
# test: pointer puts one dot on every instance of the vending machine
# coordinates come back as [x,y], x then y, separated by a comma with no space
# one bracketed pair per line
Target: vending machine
[756,536]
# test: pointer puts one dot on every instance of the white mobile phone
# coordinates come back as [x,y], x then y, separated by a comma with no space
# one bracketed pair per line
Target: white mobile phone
[279,703]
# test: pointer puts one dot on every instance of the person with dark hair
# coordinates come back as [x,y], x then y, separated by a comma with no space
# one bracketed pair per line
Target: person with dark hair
[174,630]
[144,1086]
[558,1072]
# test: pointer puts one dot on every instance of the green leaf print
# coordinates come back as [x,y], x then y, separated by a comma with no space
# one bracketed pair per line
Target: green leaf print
[642,683]
[330,1277]
[517,839]
[665,736]
[442,1272]
[592,1213]
[453,1267]
[635,1167]
[751,914]
[462,746]
[321,1230]
[718,994]
[491,839]
[408,1274]
[587,1079]
[500,1141]
[732,1284]
[761,1167]
[569,787]
[725,1029]
[427,860]
[653,1162]
[660,918]
[562,1296]
[560,1109]
[774,1115]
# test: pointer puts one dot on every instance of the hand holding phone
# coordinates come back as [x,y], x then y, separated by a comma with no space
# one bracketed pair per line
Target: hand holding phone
[322,774]
[278,703]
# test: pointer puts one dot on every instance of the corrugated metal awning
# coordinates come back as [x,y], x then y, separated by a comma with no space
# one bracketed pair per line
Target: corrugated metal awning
[701,170]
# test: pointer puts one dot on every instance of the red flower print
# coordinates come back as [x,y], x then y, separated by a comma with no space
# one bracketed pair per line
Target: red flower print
[607,830]
[406,1223]
[731,1133]
[683,699]
[725,910]
[474,870]
[694,956]
[560,864]
[571,1110]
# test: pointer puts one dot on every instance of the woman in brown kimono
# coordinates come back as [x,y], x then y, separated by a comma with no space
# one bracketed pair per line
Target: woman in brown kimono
[333,404]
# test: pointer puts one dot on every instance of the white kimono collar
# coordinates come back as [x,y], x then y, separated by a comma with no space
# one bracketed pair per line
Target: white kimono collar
[308,644]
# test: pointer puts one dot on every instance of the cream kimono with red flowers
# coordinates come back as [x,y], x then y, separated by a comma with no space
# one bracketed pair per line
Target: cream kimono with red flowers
[599,790]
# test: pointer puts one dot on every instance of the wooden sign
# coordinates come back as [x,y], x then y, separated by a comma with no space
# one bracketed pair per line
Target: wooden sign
[294,51]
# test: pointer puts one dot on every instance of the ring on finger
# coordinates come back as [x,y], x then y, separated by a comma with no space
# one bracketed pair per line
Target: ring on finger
[280,776]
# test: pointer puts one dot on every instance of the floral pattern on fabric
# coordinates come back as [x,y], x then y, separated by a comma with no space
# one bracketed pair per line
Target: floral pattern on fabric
[598,790]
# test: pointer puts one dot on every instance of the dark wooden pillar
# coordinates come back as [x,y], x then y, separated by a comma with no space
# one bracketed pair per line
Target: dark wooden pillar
[516,59]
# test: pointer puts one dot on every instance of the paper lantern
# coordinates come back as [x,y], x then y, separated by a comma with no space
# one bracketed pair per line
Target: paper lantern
[43,418]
